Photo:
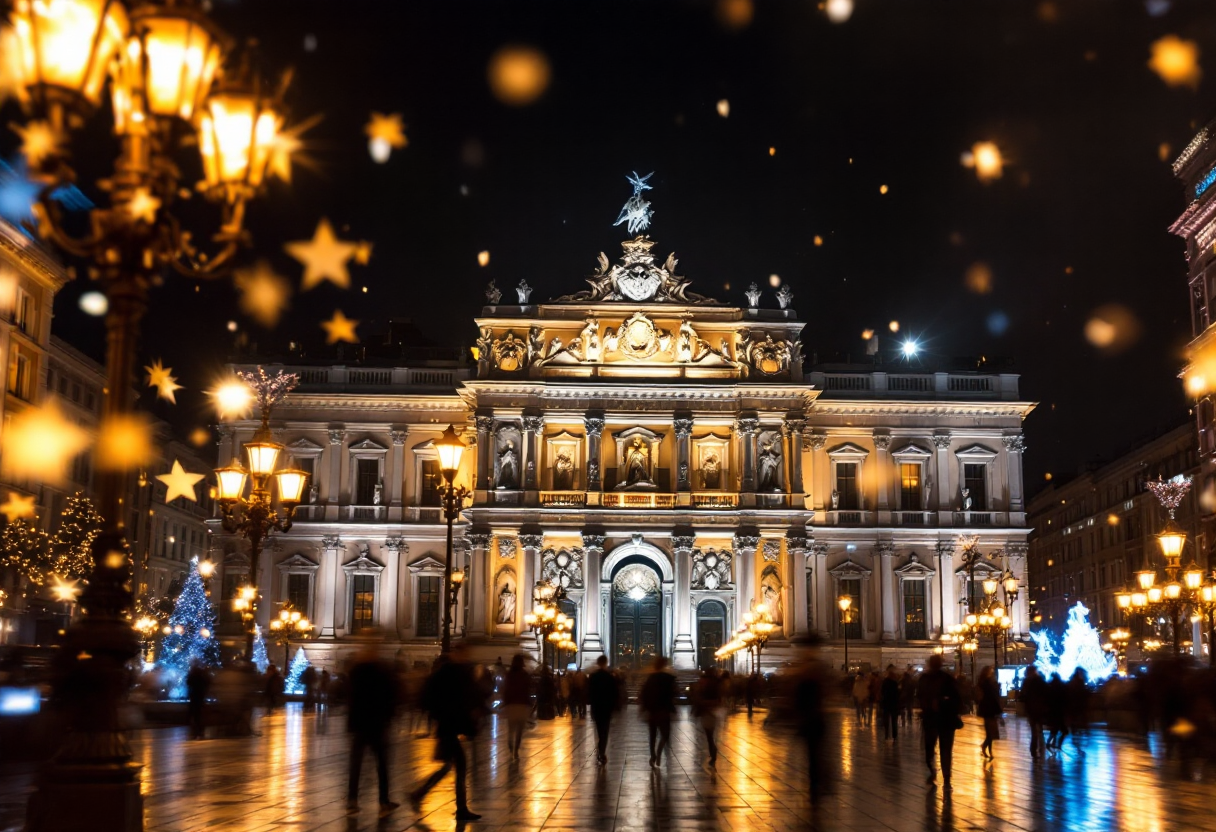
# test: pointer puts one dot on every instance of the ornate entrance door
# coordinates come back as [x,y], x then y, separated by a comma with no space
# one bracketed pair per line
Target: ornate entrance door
[711,633]
[637,615]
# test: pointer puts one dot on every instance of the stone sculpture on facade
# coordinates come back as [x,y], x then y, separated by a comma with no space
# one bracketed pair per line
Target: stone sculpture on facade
[710,569]
[506,597]
[523,291]
[493,294]
[711,471]
[771,551]
[753,296]
[563,567]
[563,471]
[771,593]
[637,465]
[638,278]
[508,467]
[785,296]
[509,353]
[770,356]
[769,465]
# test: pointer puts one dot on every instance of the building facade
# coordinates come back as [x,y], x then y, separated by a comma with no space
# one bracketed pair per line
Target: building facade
[667,460]
[1092,533]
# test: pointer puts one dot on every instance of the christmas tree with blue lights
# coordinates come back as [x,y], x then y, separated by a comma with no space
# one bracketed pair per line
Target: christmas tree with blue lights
[298,664]
[191,632]
[260,659]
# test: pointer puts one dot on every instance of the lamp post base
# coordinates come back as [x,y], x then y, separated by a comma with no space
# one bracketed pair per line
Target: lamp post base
[87,798]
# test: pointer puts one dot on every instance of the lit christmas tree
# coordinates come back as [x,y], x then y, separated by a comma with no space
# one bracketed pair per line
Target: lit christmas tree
[260,660]
[71,545]
[27,550]
[1082,648]
[298,665]
[192,632]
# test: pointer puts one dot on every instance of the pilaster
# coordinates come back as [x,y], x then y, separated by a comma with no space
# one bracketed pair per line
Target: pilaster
[593,625]
[529,569]
[398,474]
[796,619]
[337,436]
[794,429]
[683,654]
[886,589]
[594,426]
[477,588]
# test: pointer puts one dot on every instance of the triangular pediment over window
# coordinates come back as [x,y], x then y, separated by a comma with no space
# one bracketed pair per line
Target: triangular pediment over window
[849,569]
[367,445]
[426,563]
[976,452]
[299,563]
[303,445]
[363,563]
[848,451]
[915,569]
[911,452]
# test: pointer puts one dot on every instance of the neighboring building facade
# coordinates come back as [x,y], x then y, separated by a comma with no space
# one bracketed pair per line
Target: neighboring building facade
[1092,533]
[665,458]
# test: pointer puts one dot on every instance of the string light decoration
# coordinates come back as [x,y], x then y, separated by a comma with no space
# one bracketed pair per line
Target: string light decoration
[190,633]
[260,660]
[37,556]
[1170,493]
[299,664]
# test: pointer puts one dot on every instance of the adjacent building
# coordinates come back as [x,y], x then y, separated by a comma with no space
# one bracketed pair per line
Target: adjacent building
[664,457]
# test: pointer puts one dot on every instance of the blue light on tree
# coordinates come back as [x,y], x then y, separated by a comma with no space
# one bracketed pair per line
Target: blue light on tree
[1081,648]
[292,683]
[191,634]
[260,660]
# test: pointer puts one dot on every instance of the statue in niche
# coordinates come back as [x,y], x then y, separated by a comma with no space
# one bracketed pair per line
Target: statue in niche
[637,463]
[378,494]
[508,467]
[589,338]
[314,494]
[835,499]
[928,491]
[966,499]
[536,344]
[506,603]
[711,471]
[563,471]
[769,466]
[770,594]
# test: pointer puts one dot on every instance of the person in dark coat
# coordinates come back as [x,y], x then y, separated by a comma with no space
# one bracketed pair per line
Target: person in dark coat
[373,701]
[603,695]
[453,698]
[274,688]
[989,708]
[658,699]
[517,702]
[808,704]
[939,713]
[198,683]
[706,700]
[1034,700]
[1057,712]
[889,702]
[308,679]
[1077,716]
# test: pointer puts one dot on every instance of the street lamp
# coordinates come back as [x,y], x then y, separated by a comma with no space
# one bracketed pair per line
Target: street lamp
[254,516]
[546,619]
[846,618]
[290,624]
[161,61]
[450,449]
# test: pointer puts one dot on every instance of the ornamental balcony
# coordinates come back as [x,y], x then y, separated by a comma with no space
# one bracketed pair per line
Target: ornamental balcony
[849,383]
[426,515]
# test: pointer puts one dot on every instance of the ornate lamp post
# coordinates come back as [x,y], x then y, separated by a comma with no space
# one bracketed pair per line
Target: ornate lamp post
[546,619]
[846,618]
[161,61]
[254,516]
[450,449]
[290,624]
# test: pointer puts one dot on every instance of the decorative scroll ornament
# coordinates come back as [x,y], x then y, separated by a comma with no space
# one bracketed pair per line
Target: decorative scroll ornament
[509,352]
[563,567]
[1171,492]
[636,212]
[506,548]
[637,338]
[710,569]
[772,550]
[638,278]
[769,356]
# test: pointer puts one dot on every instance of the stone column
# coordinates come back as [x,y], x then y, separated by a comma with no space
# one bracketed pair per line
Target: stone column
[529,568]
[745,572]
[683,431]
[820,488]
[1014,447]
[1020,612]
[592,619]
[883,475]
[747,428]
[394,565]
[333,494]
[794,428]
[941,441]
[485,458]
[825,604]
[533,426]
[396,490]
[946,612]
[477,590]
[683,654]
[886,590]
[594,426]
[795,581]
[329,586]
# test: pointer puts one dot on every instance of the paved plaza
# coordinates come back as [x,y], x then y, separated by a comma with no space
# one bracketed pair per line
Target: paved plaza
[293,779]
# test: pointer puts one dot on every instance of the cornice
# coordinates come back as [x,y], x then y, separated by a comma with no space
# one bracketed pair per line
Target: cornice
[1196,215]
[374,402]
[31,256]
[854,407]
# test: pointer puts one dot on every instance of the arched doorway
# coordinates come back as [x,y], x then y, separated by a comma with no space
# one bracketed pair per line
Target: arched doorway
[711,632]
[637,614]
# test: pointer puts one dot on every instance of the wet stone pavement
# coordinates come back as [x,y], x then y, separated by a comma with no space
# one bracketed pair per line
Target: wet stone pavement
[292,778]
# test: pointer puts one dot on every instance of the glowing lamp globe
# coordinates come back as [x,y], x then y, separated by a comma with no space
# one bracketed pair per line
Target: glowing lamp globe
[291,482]
[998,613]
[844,602]
[1173,590]
[231,482]
[1123,600]
[1207,594]
[971,619]
[173,55]
[457,576]
[990,585]
[450,449]
[1155,594]
[1172,539]
[65,47]
[1193,577]
[1146,578]
[263,454]
[1139,600]
[237,133]
[1011,585]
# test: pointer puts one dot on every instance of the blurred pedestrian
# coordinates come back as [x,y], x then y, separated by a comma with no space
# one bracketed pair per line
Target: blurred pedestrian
[452,697]
[308,679]
[988,692]
[939,713]
[578,693]
[603,694]
[658,699]
[706,700]
[323,688]
[517,702]
[889,697]
[861,697]
[373,701]
[808,705]
[546,695]
[1057,712]
[1033,695]
[274,688]
[1076,709]
[198,683]
[874,682]
[907,696]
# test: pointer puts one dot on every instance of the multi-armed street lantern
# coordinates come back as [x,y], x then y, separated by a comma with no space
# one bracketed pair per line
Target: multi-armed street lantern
[168,91]
[548,622]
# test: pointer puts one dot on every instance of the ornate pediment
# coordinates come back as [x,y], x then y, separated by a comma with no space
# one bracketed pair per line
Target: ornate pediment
[914,569]
[426,563]
[849,569]
[363,563]
[368,445]
[638,278]
[298,563]
[303,445]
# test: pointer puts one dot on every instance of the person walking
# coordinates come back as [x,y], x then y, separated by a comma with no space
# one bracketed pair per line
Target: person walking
[658,698]
[1077,709]
[198,683]
[989,708]
[861,696]
[308,679]
[875,685]
[451,696]
[274,688]
[939,713]
[907,696]
[373,701]
[707,698]
[1034,700]
[517,702]
[808,704]
[889,696]
[603,695]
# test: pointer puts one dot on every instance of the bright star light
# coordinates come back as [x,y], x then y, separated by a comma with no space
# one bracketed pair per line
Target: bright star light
[910,348]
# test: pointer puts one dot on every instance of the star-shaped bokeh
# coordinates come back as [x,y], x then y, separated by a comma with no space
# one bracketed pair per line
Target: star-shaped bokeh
[340,328]
[264,294]
[143,206]
[386,133]
[324,257]
[40,443]
[179,483]
[159,376]
[17,507]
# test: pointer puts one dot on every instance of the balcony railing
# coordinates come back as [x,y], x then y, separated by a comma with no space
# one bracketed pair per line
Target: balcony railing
[638,499]
[979,518]
[848,517]
[714,499]
[846,382]
[366,514]
[373,379]
[563,499]
[912,518]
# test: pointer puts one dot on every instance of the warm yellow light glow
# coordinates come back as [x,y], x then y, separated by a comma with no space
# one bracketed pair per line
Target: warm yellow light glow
[39,443]
[1172,539]
[970,619]
[1145,578]
[518,75]
[181,53]
[990,586]
[262,455]
[986,158]
[1176,61]
[231,481]
[1139,599]
[64,590]
[1123,600]
[1173,590]
[206,568]
[1155,594]
[844,602]
[450,449]
[68,44]
[291,482]
[1193,577]
[236,138]
[232,399]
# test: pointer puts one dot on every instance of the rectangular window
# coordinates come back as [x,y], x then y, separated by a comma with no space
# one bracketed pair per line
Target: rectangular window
[432,479]
[914,610]
[975,480]
[428,606]
[308,465]
[909,486]
[367,474]
[846,486]
[363,602]
[23,312]
[850,620]
[19,372]
[297,591]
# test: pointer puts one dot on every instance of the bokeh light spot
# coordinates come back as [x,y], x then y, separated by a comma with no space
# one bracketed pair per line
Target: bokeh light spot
[518,75]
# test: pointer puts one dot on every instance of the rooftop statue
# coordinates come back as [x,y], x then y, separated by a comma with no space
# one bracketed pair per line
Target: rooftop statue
[636,213]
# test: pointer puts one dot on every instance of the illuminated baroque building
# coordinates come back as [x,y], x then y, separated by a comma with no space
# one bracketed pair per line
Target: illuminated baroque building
[665,458]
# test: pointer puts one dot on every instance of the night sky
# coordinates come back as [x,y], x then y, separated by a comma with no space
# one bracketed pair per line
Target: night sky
[891,97]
